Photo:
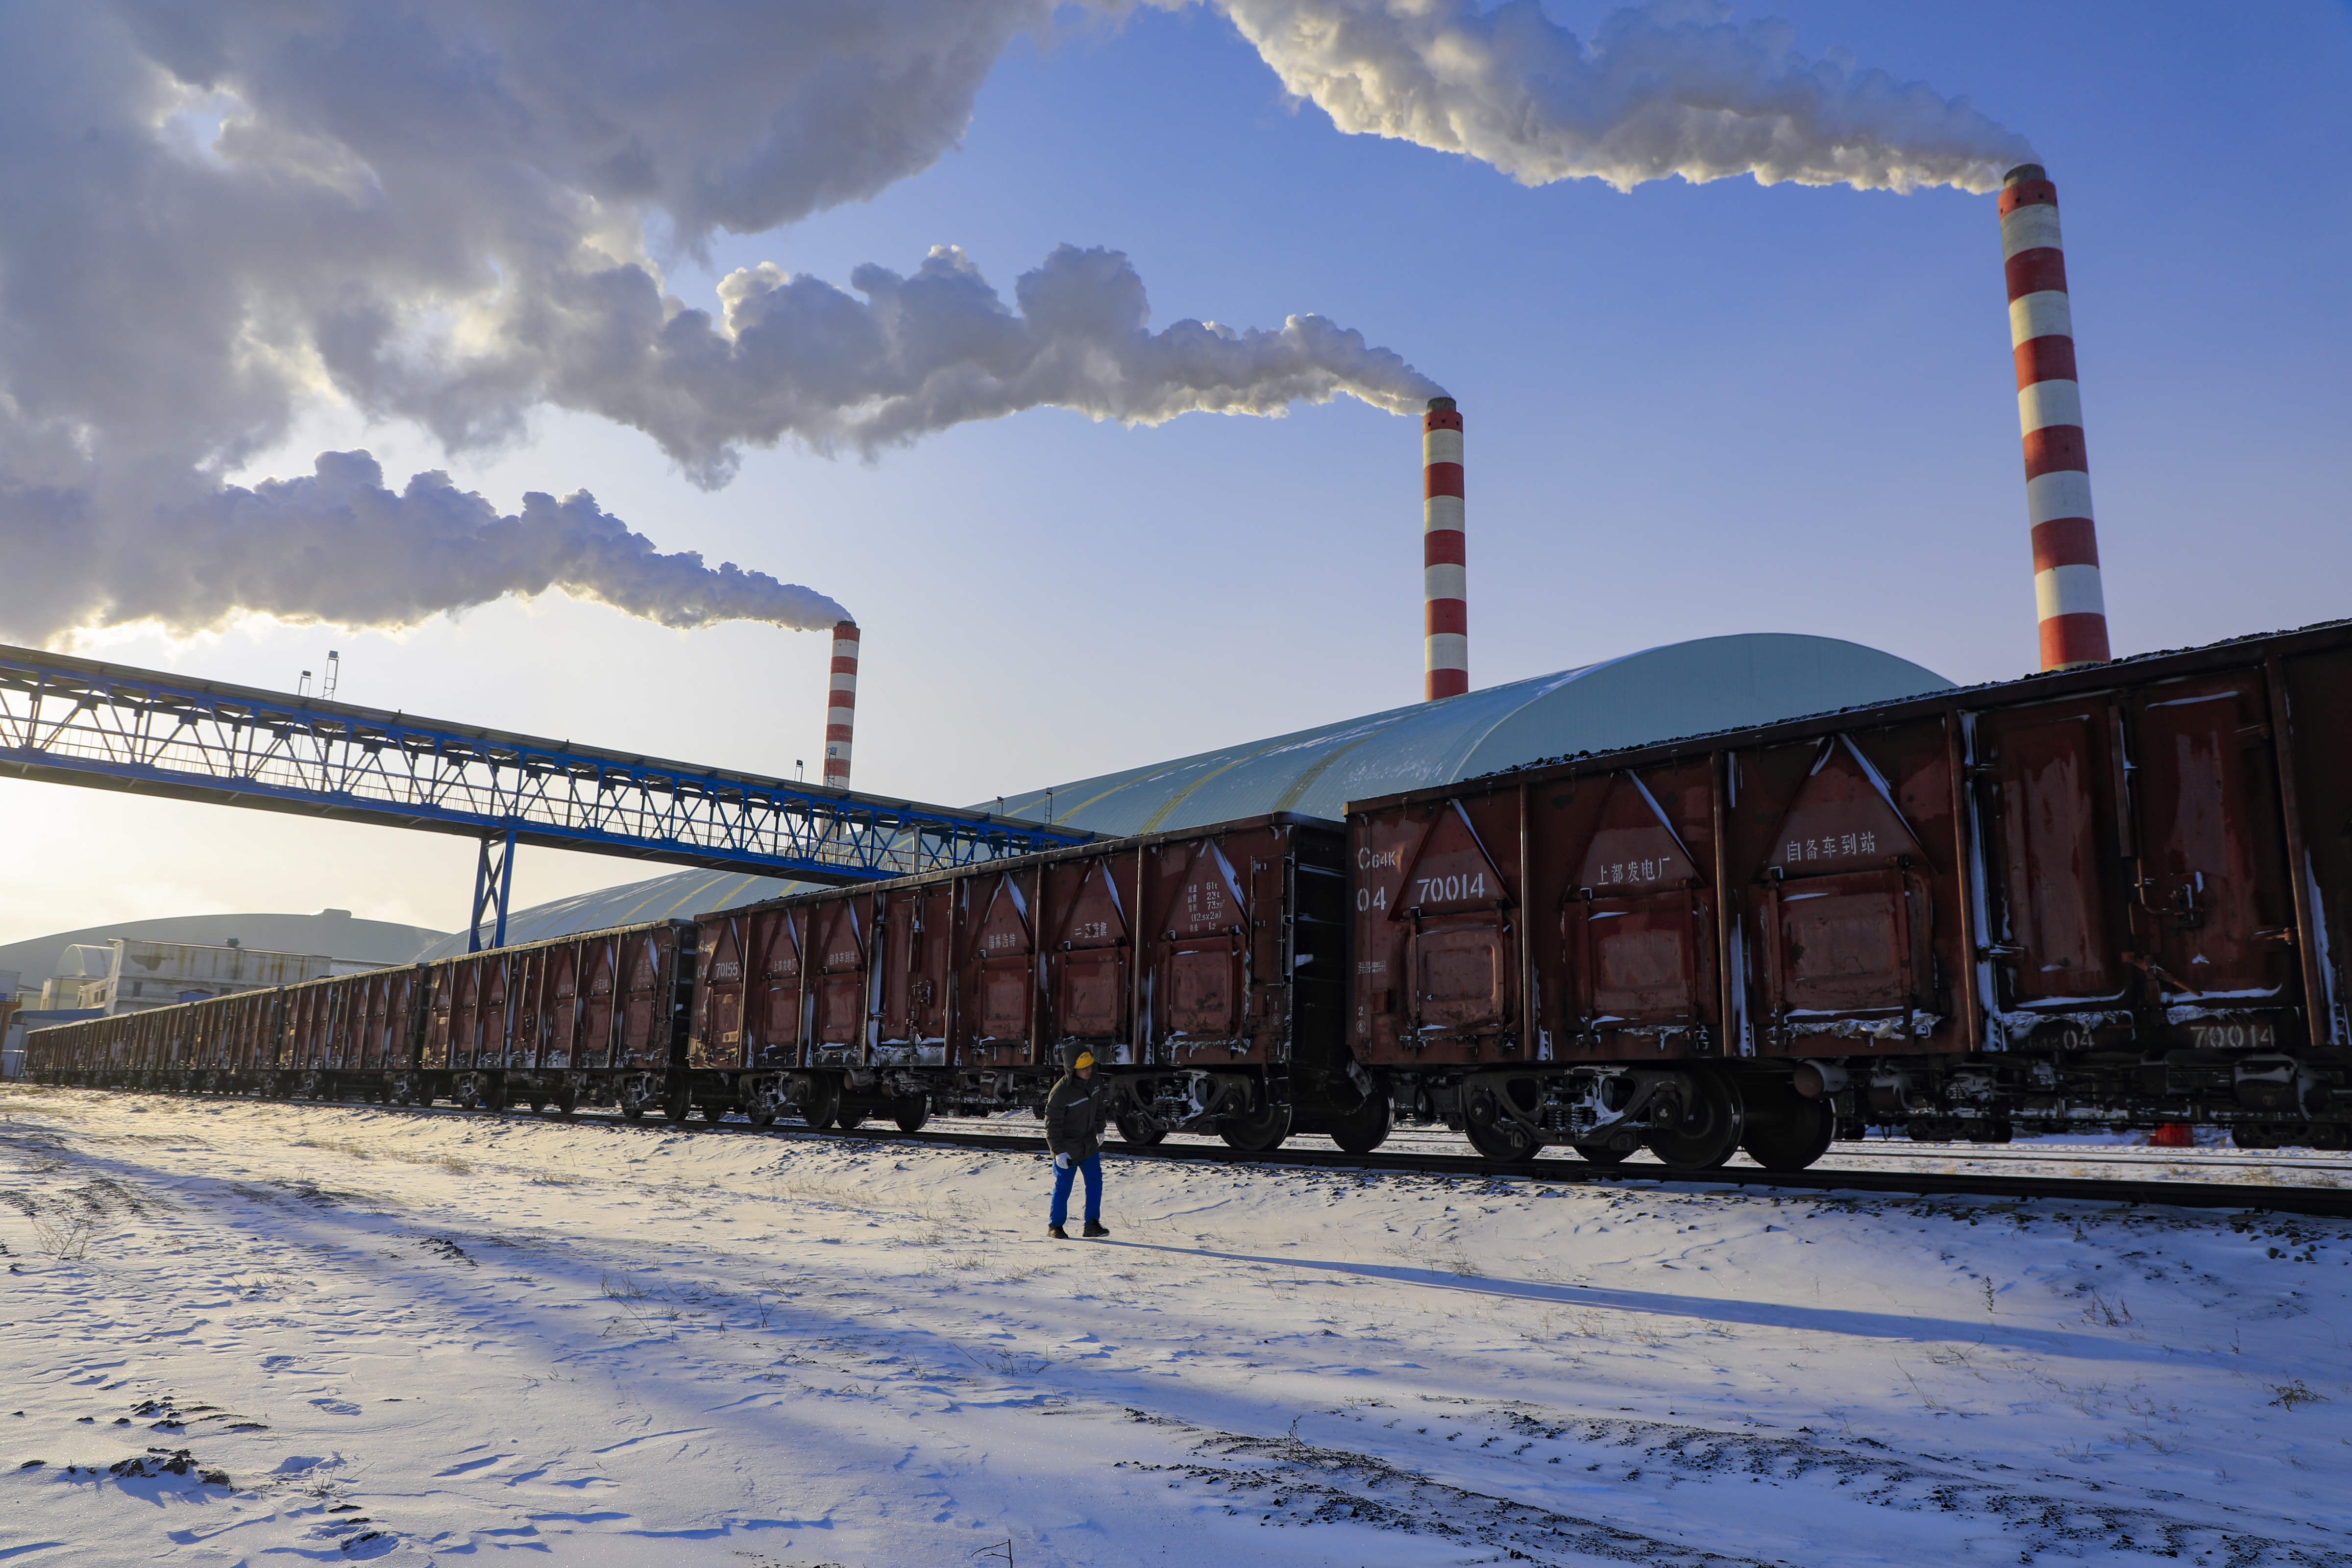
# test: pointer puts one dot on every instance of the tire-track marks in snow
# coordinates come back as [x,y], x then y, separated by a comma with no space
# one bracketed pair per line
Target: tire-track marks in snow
[1290,1481]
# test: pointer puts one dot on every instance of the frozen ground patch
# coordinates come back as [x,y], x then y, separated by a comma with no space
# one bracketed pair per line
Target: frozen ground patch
[255,1333]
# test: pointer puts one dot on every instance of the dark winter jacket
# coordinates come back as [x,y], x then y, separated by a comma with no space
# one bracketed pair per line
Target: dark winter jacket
[1074,1115]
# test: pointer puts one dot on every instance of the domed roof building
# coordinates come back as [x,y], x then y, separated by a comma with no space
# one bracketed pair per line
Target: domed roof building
[1681,688]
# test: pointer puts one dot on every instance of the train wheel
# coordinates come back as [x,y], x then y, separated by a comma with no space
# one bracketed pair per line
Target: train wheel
[1138,1134]
[1785,1130]
[678,1105]
[912,1112]
[1258,1132]
[567,1102]
[1600,1155]
[850,1117]
[1364,1129]
[824,1104]
[1492,1130]
[762,1116]
[635,1110]
[1707,1131]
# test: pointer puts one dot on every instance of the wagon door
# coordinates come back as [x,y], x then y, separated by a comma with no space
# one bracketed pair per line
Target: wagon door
[717,1040]
[560,1006]
[377,1004]
[1002,956]
[644,1010]
[599,1013]
[2046,793]
[466,1029]
[496,1016]
[1639,924]
[1459,957]
[1200,983]
[1090,966]
[912,966]
[525,1035]
[2215,925]
[896,919]
[772,1014]
[837,941]
[931,961]
[1846,919]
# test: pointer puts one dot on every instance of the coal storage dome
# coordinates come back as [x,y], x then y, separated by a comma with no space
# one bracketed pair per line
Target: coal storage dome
[1682,689]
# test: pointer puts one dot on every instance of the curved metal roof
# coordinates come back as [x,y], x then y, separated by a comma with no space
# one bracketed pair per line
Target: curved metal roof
[1682,689]
[335,934]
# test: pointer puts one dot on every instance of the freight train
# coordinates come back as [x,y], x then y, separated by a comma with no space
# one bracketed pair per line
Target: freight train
[2111,897]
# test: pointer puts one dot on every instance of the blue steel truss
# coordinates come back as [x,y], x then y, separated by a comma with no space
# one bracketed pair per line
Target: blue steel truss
[76,721]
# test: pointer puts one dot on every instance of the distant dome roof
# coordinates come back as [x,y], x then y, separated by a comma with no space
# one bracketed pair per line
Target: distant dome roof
[1682,689]
[334,933]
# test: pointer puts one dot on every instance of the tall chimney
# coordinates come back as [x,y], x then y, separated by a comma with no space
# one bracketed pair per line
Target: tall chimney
[1445,608]
[2050,414]
[841,705]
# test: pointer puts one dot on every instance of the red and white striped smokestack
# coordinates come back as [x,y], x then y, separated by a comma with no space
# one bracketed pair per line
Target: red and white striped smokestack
[1444,591]
[841,705]
[2050,414]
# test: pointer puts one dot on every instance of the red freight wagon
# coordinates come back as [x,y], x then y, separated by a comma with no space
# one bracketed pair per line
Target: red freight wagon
[598,1017]
[1203,968]
[2088,898]
[218,1038]
[248,1039]
[350,1034]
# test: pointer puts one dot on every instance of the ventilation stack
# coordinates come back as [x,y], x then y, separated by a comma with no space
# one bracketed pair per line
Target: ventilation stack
[1445,608]
[2050,414]
[841,705]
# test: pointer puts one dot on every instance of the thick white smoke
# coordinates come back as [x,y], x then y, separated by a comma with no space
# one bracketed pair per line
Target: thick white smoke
[336,546]
[1671,88]
[220,215]
[438,210]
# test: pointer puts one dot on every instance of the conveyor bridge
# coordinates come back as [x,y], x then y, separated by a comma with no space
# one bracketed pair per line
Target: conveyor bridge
[74,720]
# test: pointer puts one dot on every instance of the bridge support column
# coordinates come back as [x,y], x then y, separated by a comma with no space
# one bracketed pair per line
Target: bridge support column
[493,880]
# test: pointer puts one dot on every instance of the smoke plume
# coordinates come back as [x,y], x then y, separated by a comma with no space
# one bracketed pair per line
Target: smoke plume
[220,217]
[336,546]
[1669,88]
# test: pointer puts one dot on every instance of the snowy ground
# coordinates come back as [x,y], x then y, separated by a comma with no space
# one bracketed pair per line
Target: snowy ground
[419,1338]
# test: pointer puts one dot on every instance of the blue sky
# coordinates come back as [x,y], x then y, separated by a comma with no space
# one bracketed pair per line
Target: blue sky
[1691,410]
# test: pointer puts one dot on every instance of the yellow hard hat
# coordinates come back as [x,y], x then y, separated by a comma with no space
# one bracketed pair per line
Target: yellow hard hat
[1085,1059]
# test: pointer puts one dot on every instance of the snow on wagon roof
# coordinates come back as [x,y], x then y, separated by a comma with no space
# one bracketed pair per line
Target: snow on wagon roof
[1681,688]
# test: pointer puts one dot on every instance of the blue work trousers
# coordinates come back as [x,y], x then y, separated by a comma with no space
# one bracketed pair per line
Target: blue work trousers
[1064,1175]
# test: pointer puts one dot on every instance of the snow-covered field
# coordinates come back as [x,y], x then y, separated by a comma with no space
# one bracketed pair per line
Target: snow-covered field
[408,1337]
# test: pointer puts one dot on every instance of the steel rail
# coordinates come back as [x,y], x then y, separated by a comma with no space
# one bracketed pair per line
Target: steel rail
[106,726]
[2319,1201]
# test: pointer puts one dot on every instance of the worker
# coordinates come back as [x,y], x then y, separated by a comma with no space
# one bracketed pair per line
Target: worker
[1074,1118]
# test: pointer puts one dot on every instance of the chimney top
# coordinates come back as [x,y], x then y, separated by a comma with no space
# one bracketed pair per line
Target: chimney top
[1441,406]
[2024,171]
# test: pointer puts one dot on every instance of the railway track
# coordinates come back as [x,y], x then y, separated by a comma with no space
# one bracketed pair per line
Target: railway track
[2282,1199]
[2279,1198]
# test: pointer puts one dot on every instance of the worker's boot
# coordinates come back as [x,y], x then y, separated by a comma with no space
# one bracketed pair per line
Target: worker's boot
[1057,1232]
[1095,1227]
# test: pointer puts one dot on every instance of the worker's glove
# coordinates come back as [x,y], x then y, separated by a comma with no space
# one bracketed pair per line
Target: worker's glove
[1061,1162]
